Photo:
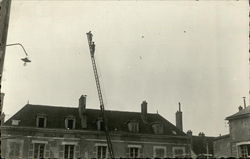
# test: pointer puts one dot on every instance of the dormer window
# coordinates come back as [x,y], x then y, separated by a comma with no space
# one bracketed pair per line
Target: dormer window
[15,122]
[157,128]
[174,132]
[70,123]
[100,124]
[133,126]
[41,121]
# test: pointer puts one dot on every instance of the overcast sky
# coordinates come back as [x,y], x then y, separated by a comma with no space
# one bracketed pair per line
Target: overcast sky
[164,52]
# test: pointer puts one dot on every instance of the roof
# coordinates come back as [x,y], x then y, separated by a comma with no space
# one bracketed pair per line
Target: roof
[118,119]
[227,136]
[241,114]
[199,144]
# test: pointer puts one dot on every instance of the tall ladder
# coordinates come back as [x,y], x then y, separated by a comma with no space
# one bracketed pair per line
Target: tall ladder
[92,52]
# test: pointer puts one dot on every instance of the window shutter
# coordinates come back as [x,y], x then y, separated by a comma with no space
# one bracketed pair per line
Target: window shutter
[17,149]
[127,152]
[47,151]
[77,151]
[61,151]
[140,153]
[31,148]
[95,152]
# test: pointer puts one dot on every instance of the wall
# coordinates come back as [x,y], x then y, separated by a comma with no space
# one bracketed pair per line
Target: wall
[222,147]
[85,142]
[243,125]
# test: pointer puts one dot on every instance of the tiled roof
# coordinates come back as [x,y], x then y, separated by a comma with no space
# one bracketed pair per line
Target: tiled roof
[242,113]
[117,119]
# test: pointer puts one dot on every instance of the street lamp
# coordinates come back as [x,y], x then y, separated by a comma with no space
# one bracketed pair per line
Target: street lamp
[26,59]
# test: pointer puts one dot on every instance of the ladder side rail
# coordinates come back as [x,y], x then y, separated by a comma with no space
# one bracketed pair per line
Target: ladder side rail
[109,143]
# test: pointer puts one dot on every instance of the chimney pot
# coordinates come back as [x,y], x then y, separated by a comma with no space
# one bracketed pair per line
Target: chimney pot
[201,134]
[240,108]
[189,133]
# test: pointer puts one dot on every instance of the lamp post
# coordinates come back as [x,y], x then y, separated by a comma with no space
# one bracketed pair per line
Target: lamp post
[26,59]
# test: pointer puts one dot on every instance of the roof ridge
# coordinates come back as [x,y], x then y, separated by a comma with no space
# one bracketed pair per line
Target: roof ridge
[107,110]
[42,105]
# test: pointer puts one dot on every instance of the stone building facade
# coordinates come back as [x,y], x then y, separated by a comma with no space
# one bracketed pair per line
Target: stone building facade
[237,142]
[38,131]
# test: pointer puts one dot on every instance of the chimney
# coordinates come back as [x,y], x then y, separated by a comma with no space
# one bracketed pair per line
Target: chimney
[189,133]
[82,111]
[178,118]
[201,134]
[144,110]
[240,108]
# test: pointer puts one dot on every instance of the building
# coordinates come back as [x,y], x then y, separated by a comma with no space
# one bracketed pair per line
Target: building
[222,146]
[237,142]
[4,25]
[38,131]
[2,116]
[201,145]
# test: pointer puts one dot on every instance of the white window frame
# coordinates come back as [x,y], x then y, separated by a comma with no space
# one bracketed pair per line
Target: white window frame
[139,147]
[34,146]
[64,149]
[19,141]
[15,122]
[178,147]
[238,147]
[102,145]
[159,147]
[133,126]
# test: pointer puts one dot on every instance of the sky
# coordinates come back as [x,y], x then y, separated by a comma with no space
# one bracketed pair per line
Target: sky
[164,52]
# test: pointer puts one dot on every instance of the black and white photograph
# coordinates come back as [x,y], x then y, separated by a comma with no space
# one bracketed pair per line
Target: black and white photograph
[99,79]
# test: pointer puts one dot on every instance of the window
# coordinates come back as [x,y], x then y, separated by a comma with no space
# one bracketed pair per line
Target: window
[41,121]
[15,122]
[134,151]
[157,128]
[15,148]
[178,151]
[159,152]
[101,151]
[244,151]
[68,151]
[70,123]
[100,125]
[133,126]
[39,150]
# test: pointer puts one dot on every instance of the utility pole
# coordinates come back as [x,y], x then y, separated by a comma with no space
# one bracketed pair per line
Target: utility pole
[4,25]
[99,91]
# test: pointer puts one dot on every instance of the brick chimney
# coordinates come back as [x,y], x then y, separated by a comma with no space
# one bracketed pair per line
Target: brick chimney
[178,118]
[82,111]
[144,111]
